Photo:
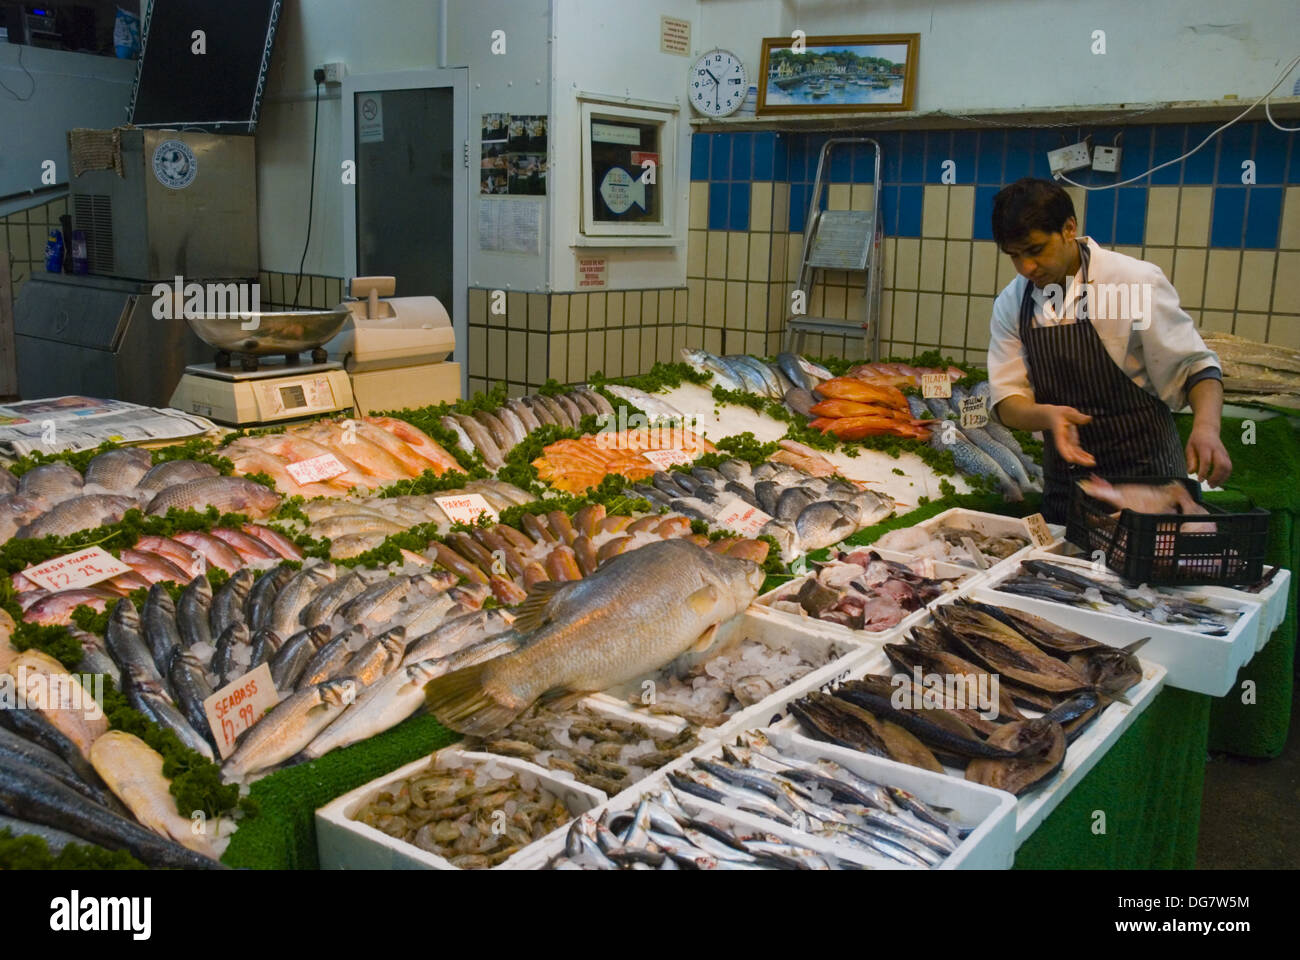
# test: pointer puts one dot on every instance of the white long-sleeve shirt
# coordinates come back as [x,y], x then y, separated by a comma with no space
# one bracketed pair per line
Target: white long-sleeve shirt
[1162,354]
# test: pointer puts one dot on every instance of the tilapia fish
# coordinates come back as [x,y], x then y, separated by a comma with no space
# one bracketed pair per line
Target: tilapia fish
[227,494]
[629,618]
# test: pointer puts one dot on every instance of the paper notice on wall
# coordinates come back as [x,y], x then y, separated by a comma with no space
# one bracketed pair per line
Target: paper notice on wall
[370,118]
[510,225]
[593,272]
[675,36]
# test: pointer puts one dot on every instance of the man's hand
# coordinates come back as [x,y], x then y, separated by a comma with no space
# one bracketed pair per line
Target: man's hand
[1207,458]
[1064,423]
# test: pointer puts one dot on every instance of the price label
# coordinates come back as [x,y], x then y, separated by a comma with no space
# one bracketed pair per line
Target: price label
[465,508]
[75,570]
[316,470]
[936,385]
[663,459]
[974,413]
[1038,531]
[742,518]
[238,705]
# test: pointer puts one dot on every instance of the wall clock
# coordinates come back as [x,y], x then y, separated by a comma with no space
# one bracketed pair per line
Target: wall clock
[718,84]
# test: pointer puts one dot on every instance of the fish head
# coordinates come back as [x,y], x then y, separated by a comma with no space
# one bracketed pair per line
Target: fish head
[394,641]
[338,693]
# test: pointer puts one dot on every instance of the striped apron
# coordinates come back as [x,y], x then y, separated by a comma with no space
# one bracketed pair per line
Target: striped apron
[1132,433]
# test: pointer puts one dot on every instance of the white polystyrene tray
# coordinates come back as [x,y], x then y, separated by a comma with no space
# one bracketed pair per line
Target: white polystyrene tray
[993,525]
[346,844]
[1274,598]
[770,628]
[1195,661]
[1080,757]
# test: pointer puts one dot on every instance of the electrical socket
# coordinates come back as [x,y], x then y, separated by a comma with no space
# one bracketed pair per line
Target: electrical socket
[1065,159]
[335,71]
[1106,159]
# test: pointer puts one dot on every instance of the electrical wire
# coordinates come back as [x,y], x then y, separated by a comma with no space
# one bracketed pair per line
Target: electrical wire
[311,199]
[1263,99]
[29,77]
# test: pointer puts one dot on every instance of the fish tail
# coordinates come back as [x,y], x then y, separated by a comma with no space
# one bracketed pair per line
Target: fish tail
[461,701]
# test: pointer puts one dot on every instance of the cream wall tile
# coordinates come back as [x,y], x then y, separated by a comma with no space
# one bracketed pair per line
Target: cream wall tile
[697,252]
[984,267]
[979,317]
[649,308]
[735,305]
[1216,321]
[886,317]
[952,329]
[908,264]
[517,310]
[716,266]
[737,255]
[679,341]
[1006,271]
[1194,216]
[834,299]
[1078,196]
[596,311]
[713,341]
[781,207]
[903,316]
[1134,252]
[666,300]
[961,212]
[634,306]
[760,207]
[536,359]
[595,354]
[776,259]
[1252,326]
[496,354]
[1189,275]
[715,303]
[793,251]
[477,302]
[929,318]
[680,299]
[756,344]
[817,301]
[931,265]
[694,302]
[756,306]
[1286,289]
[558,364]
[1290,237]
[613,366]
[1162,216]
[663,347]
[1284,330]
[863,197]
[778,305]
[760,254]
[560,311]
[956,274]
[538,318]
[478,351]
[1256,280]
[888,257]
[1162,257]
[1221,271]
[477,385]
[615,307]
[517,356]
[695,338]
[578,311]
[934,212]
[700,204]
[839,196]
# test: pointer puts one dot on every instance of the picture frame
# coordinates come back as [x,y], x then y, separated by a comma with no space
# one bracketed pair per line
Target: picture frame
[838,74]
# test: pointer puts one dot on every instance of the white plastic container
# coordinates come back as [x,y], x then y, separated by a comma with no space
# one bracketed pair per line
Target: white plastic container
[1274,599]
[992,525]
[1195,661]
[1080,756]
[346,844]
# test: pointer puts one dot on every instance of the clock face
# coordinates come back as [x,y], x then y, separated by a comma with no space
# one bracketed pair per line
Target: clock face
[718,84]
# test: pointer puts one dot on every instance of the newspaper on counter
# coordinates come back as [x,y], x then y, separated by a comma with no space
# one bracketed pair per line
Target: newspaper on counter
[83,423]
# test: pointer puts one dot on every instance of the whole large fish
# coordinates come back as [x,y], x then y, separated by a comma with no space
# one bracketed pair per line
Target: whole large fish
[297,593]
[175,472]
[79,513]
[482,440]
[227,494]
[193,612]
[151,699]
[158,619]
[16,749]
[228,603]
[60,698]
[51,481]
[655,408]
[970,459]
[119,470]
[36,797]
[631,617]
[191,688]
[704,362]
[295,722]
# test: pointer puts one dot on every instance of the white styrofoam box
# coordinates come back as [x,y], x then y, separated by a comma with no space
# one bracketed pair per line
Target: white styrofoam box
[992,525]
[1274,598]
[346,844]
[808,638]
[1195,661]
[1080,756]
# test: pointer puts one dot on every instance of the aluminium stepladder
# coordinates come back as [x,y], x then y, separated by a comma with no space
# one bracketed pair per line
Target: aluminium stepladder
[848,240]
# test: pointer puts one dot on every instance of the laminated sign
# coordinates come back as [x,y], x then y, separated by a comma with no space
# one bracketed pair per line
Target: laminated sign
[742,518]
[75,570]
[466,508]
[316,470]
[1038,531]
[936,386]
[663,459]
[974,413]
[238,705]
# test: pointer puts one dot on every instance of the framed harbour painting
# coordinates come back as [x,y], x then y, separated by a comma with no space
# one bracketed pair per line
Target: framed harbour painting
[843,74]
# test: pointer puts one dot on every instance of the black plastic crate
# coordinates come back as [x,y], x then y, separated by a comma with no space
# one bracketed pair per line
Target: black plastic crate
[1159,549]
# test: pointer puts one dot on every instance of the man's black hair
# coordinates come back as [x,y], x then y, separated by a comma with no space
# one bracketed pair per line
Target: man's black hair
[1029,204]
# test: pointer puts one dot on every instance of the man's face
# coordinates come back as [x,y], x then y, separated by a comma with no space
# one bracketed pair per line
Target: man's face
[1044,258]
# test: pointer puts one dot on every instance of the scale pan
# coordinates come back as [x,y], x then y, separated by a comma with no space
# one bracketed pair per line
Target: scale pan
[266,333]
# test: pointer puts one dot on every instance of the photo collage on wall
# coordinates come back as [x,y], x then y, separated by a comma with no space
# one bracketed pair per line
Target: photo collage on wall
[513,160]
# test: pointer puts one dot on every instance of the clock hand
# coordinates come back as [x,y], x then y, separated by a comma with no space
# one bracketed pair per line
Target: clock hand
[715,80]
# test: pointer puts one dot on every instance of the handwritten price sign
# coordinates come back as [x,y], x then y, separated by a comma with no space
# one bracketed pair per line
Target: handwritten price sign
[1038,531]
[663,459]
[466,508]
[744,519]
[316,470]
[238,705]
[74,570]
[936,385]
[974,413]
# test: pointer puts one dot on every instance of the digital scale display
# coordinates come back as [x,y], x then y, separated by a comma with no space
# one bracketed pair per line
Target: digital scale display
[292,397]
[308,395]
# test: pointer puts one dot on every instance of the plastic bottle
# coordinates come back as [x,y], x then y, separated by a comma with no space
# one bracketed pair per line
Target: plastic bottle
[54,252]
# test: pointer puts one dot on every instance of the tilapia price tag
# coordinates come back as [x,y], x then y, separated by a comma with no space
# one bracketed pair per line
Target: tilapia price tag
[238,705]
[1038,531]
[465,508]
[742,518]
[316,470]
[74,570]
[936,385]
[663,459]
[974,413]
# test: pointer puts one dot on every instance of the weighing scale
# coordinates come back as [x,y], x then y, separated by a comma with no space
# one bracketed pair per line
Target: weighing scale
[257,378]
